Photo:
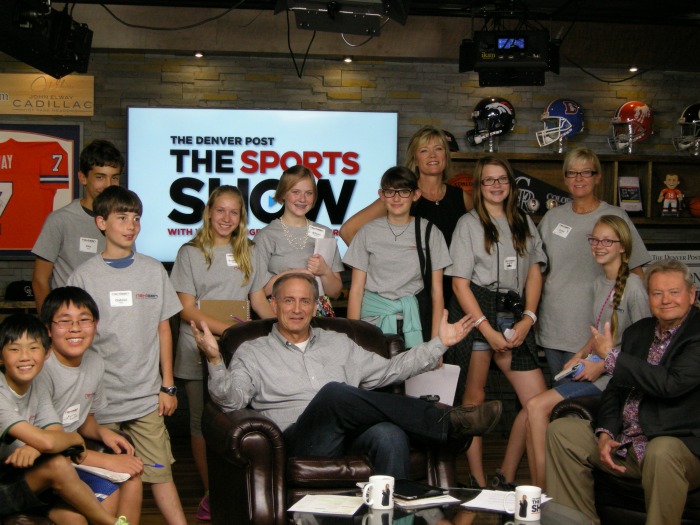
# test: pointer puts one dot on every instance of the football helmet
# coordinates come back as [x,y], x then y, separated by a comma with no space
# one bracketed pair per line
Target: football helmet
[689,122]
[562,118]
[492,116]
[632,123]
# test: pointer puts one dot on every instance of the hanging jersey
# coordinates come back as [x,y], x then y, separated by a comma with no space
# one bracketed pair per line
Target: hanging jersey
[30,175]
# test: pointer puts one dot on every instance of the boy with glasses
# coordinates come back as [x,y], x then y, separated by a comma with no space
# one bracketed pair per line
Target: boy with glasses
[386,272]
[73,376]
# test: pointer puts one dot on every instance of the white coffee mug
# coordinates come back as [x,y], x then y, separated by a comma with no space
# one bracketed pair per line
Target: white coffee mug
[525,502]
[378,517]
[379,492]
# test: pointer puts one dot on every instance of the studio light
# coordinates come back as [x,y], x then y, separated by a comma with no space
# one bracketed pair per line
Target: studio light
[355,17]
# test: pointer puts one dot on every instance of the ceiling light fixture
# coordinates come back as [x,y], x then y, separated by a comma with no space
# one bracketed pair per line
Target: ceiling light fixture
[198,54]
[634,69]
[347,60]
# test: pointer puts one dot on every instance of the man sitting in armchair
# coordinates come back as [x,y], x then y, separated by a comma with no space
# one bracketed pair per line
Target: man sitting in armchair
[316,385]
[648,426]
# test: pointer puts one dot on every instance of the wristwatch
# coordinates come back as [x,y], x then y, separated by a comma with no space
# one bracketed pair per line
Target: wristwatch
[170,390]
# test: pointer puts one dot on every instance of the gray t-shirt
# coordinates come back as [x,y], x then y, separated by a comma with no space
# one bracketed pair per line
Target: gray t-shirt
[502,269]
[76,391]
[634,305]
[68,238]
[34,407]
[279,380]
[567,296]
[391,262]
[132,302]
[222,281]
[278,254]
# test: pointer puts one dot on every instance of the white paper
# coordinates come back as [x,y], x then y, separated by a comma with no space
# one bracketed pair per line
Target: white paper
[493,500]
[114,477]
[326,249]
[328,504]
[425,502]
[441,381]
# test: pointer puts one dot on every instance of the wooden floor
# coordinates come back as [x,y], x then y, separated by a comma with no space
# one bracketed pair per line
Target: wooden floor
[190,487]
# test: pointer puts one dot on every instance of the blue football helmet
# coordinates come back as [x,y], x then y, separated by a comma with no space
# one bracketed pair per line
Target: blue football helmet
[562,118]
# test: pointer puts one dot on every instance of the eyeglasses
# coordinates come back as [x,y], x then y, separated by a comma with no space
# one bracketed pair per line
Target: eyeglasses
[594,241]
[501,180]
[390,192]
[67,324]
[586,174]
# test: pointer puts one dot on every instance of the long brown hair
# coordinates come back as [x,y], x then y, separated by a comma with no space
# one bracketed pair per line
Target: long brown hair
[515,217]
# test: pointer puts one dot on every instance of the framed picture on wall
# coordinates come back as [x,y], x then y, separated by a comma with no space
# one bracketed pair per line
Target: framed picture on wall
[38,174]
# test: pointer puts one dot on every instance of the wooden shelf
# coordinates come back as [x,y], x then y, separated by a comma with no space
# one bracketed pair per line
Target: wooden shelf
[650,170]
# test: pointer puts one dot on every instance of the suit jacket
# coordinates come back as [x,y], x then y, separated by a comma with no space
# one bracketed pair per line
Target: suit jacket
[671,402]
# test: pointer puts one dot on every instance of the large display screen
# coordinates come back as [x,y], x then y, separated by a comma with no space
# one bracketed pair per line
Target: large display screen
[176,157]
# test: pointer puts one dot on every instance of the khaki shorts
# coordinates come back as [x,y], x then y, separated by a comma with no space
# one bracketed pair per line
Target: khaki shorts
[152,443]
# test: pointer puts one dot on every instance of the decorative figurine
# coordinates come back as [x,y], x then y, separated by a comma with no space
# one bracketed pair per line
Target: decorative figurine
[671,196]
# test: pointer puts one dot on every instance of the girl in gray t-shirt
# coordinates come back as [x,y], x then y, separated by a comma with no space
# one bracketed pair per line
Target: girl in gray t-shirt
[497,277]
[219,263]
[293,243]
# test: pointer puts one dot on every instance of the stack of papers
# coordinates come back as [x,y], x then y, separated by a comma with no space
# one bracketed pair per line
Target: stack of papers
[435,501]
[492,500]
[330,504]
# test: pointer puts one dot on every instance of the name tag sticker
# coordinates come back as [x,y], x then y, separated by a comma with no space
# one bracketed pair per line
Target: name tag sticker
[71,415]
[315,232]
[510,263]
[562,230]
[121,298]
[230,261]
[88,245]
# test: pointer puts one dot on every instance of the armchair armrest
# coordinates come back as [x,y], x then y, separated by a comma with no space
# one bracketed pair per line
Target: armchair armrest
[246,458]
[585,407]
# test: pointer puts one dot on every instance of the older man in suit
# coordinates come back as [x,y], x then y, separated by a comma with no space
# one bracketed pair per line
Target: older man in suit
[648,426]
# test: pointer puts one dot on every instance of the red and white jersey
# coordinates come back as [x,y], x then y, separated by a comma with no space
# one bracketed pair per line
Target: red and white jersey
[30,175]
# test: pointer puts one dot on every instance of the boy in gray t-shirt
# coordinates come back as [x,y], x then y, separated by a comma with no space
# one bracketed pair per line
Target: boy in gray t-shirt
[386,272]
[29,429]
[69,236]
[136,301]
[73,376]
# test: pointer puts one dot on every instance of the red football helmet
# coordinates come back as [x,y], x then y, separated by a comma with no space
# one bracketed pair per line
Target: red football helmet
[632,123]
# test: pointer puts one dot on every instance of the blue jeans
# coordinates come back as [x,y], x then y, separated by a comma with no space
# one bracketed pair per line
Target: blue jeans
[343,418]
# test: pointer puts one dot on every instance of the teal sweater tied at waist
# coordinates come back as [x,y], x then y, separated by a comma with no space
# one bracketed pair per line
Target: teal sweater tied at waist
[374,305]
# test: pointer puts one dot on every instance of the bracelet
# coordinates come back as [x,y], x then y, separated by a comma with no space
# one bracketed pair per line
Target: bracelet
[479,321]
[531,315]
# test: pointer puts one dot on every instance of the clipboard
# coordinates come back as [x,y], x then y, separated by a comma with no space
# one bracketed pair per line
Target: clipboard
[226,311]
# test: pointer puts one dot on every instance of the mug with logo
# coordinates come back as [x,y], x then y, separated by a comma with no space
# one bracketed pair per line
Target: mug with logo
[379,492]
[525,502]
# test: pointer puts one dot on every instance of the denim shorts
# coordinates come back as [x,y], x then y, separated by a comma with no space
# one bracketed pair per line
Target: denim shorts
[503,320]
[568,388]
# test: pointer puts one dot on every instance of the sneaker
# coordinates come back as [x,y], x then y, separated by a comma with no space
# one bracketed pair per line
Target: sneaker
[498,482]
[474,420]
[203,511]
[121,520]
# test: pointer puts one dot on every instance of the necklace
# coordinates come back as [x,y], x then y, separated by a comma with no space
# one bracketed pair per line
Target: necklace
[440,195]
[296,242]
[397,235]
[587,210]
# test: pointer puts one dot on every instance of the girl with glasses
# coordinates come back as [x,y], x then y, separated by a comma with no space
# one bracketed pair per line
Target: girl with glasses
[386,271]
[620,298]
[497,278]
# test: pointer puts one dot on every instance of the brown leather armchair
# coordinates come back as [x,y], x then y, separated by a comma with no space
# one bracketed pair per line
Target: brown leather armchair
[251,479]
[618,500]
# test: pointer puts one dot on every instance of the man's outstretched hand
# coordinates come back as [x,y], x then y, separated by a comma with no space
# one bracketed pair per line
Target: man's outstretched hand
[206,342]
[451,334]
